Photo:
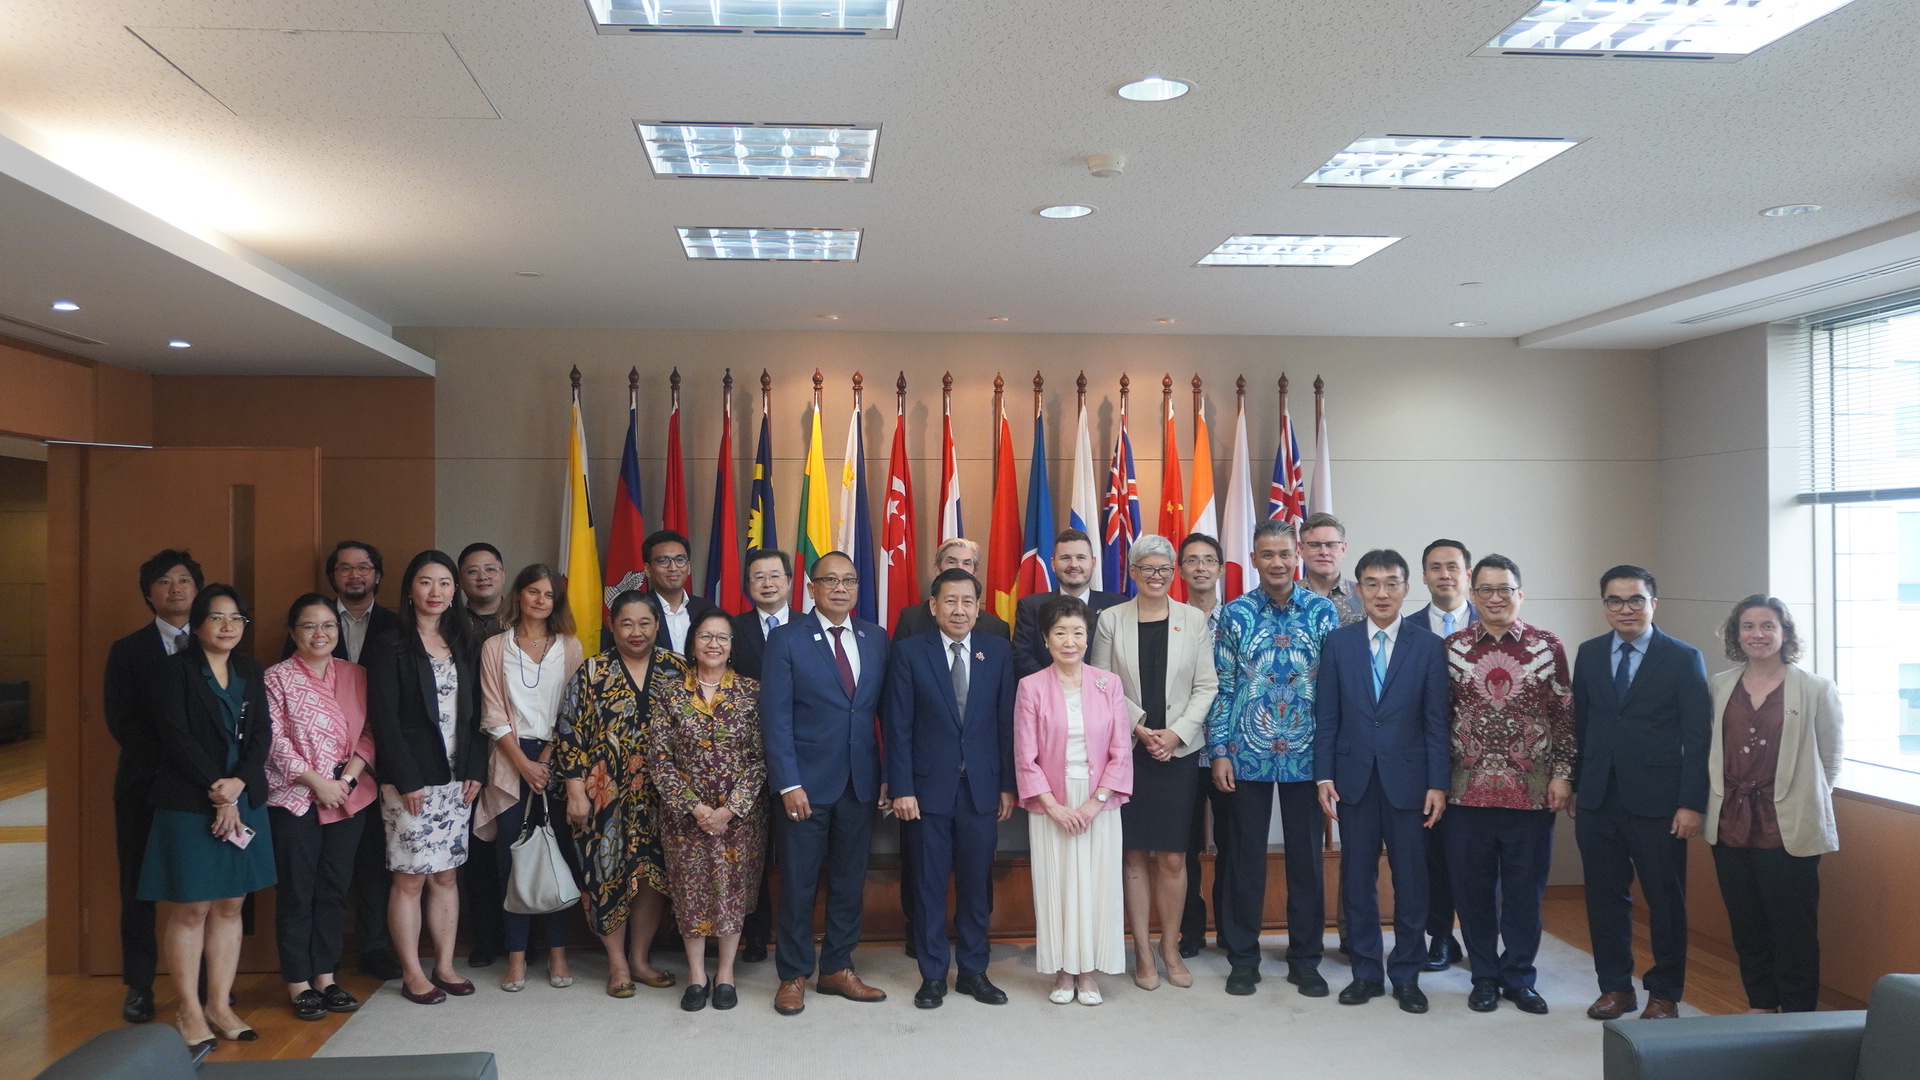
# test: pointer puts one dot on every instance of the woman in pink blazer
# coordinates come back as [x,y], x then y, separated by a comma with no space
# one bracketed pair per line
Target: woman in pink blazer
[1073,758]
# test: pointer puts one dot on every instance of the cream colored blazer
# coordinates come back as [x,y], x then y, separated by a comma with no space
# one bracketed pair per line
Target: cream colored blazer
[1191,680]
[1810,755]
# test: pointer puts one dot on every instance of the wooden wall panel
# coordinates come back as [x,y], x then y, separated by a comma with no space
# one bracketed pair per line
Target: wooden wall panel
[46,397]
[122,406]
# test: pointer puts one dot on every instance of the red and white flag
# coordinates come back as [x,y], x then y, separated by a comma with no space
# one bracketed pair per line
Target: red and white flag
[1236,524]
[950,523]
[1320,495]
[900,581]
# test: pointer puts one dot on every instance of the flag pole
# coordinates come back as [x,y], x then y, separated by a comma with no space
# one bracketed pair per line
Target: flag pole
[819,381]
[1319,401]
[1038,383]
[1196,398]
[900,395]
[1081,385]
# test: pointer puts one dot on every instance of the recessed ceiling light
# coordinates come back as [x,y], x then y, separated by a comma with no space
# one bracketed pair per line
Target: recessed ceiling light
[528,273]
[997,318]
[1164,322]
[1153,88]
[176,343]
[1064,210]
[772,245]
[1789,210]
[1464,323]
[1446,162]
[1655,29]
[834,18]
[65,305]
[760,151]
[829,318]
[1271,250]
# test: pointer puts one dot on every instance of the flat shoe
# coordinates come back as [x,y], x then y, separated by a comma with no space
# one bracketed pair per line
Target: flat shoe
[338,1000]
[1062,995]
[513,986]
[695,999]
[660,980]
[1088,997]
[621,990]
[433,996]
[245,1034]
[725,996]
[462,988]
[559,982]
[309,1005]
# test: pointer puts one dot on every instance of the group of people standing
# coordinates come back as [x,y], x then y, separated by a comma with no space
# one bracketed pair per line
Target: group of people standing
[394,760]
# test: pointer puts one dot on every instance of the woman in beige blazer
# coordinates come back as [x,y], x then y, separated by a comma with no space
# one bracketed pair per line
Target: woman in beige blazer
[1163,653]
[1772,763]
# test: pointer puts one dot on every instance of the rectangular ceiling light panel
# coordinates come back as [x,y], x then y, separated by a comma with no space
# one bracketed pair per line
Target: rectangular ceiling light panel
[1271,250]
[772,245]
[1655,29]
[832,18]
[1438,162]
[760,151]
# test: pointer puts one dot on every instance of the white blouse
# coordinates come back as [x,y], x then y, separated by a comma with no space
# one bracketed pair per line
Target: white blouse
[1077,767]
[535,689]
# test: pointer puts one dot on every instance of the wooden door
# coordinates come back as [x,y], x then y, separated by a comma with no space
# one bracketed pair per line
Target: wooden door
[251,517]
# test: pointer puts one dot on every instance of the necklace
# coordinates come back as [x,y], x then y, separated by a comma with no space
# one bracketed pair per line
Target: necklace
[539,666]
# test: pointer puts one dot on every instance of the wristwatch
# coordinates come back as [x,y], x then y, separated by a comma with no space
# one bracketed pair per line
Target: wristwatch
[1102,798]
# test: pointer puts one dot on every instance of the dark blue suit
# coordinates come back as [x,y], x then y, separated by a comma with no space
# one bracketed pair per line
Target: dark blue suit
[1641,759]
[1382,757]
[827,744]
[956,766]
[1439,884]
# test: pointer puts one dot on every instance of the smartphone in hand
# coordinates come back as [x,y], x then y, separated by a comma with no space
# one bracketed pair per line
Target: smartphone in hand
[241,837]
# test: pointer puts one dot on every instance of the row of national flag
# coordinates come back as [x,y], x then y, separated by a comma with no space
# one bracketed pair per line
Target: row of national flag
[1019,547]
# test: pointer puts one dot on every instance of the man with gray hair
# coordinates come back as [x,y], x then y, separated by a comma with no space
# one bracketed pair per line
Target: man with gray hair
[1323,550]
[955,553]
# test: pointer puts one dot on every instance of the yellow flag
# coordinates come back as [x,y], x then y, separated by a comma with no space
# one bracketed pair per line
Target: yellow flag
[816,522]
[579,553]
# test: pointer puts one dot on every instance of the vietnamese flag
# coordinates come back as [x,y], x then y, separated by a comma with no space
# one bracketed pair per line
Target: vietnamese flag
[1173,506]
[1003,535]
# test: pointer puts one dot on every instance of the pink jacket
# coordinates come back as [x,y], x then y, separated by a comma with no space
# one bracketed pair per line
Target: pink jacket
[1040,736]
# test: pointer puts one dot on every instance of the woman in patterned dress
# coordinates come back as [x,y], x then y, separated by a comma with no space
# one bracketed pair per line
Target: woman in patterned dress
[600,754]
[710,769]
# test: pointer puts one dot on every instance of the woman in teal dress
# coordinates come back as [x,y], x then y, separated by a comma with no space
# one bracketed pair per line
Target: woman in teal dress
[209,846]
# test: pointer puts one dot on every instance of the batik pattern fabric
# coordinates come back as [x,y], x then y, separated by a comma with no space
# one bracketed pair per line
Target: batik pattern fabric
[1268,656]
[710,752]
[1512,716]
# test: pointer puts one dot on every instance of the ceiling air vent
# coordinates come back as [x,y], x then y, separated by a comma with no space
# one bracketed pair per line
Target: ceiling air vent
[39,328]
[1806,290]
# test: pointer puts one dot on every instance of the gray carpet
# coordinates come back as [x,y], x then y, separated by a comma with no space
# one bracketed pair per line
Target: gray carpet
[23,867]
[582,1034]
[28,809]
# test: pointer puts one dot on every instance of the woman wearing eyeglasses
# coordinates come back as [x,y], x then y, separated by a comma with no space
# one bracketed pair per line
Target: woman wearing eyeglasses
[1163,654]
[317,784]
[211,843]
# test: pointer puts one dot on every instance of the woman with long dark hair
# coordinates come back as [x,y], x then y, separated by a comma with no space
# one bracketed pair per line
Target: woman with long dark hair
[423,698]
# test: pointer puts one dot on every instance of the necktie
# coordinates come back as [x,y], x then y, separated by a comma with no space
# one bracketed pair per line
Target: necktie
[1379,662]
[180,641]
[959,677]
[840,658]
[1623,675]
[1446,621]
[773,623]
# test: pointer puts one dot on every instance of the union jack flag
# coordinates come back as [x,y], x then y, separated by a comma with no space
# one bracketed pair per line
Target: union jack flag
[1287,495]
[1121,512]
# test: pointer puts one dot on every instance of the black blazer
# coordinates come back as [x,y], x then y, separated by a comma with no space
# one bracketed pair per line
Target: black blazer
[917,619]
[749,644]
[697,609]
[1651,749]
[192,735]
[381,621]
[136,669]
[403,709]
[1029,651]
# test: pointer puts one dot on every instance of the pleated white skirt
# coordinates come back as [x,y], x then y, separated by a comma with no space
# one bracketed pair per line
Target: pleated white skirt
[1079,901]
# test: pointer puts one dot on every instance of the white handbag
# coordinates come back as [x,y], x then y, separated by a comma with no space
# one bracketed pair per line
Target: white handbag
[540,881]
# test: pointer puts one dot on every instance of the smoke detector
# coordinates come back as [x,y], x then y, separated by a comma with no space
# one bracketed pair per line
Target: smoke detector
[1106,165]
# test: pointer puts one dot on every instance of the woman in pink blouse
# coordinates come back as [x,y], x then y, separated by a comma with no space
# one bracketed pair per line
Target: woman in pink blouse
[316,787]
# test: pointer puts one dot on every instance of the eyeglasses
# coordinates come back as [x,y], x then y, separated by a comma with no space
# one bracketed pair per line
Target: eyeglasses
[1200,561]
[1488,592]
[315,627]
[1322,545]
[1631,603]
[833,583]
[764,577]
[669,560]
[227,620]
[713,639]
[354,567]
[1382,586]
[1153,573]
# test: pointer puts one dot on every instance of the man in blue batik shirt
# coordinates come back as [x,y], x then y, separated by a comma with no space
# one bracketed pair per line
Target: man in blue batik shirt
[1260,739]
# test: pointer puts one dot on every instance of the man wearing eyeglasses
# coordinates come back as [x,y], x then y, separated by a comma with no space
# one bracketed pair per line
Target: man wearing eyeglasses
[1323,551]
[1443,569]
[1201,561]
[483,579]
[767,579]
[1512,770]
[820,694]
[1642,716]
[668,568]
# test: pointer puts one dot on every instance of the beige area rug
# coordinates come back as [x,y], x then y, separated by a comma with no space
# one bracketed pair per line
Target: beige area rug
[23,866]
[582,1034]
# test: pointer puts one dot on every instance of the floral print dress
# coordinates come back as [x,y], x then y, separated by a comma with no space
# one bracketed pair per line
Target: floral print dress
[710,752]
[600,738]
[435,839]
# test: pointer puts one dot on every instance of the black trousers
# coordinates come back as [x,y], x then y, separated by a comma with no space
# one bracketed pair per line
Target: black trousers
[1499,859]
[757,929]
[1773,906]
[1243,859]
[834,839]
[132,821]
[1615,848]
[1439,880]
[371,883]
[314,863]
[1193,918]
[1365,825]
[517,929]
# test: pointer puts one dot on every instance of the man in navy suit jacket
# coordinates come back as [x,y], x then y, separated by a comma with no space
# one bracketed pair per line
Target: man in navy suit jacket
[1446,570]
[949,726]
[820,692]
[1380,747]
[1642,716]
[1073,569]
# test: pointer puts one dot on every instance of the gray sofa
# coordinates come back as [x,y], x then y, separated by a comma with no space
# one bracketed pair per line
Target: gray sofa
[155,1052]
[1882,1043]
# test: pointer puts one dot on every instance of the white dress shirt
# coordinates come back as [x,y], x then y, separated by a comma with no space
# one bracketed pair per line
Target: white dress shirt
[1436,619]
[676,623]
[1392,630]
[768,622]
[947,643]
[172,638]
[847,641]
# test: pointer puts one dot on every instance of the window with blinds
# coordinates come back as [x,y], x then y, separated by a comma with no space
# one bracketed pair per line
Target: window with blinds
[1863,382]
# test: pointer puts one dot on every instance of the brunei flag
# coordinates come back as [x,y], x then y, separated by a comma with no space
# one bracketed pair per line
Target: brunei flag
[762,532]
[579,554]
[815,524]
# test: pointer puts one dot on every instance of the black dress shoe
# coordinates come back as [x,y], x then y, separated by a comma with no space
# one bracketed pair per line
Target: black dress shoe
[725,996]
[1343,947]
[1443,953]
[1361,991]
[1242,981]
[1189,949]
[337,1000]
[695,998]
[380,965]
[753,954]
[978,988]
[1485,996]
[931,993]
[479,959]
[1308,980]
[1527,999]
[309,1005]
[139,1005]
[1411,998]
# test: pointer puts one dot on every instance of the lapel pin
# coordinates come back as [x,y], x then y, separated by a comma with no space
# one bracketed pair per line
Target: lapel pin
[979,656]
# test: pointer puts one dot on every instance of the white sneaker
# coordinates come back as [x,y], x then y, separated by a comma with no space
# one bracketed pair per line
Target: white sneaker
[1062,995]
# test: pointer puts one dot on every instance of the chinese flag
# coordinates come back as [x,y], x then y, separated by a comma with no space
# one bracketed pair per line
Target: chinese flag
[1173,507]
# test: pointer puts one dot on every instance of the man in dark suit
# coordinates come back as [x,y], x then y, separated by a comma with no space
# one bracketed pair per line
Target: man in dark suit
[1445,567]
[949,745]
[1380,749]
[1073,570]
[1642,716]
[668,568]
[354,571]
[820,692]
[135,666]
[957,553]
[767,579]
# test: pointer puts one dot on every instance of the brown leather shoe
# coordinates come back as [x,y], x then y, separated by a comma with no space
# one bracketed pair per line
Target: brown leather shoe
[1613,1004]
[1661,1009]
[791,998]
[844,983]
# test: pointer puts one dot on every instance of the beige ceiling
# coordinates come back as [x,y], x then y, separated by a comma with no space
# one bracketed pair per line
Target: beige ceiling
[364,154]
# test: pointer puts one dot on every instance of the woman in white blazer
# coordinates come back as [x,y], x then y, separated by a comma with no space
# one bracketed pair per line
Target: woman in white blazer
[1163,653]
[1772,763]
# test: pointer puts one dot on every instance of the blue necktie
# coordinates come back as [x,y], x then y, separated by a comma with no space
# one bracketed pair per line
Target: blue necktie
[1623,675]
[773,623]
[1446,619]
[1379,662]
